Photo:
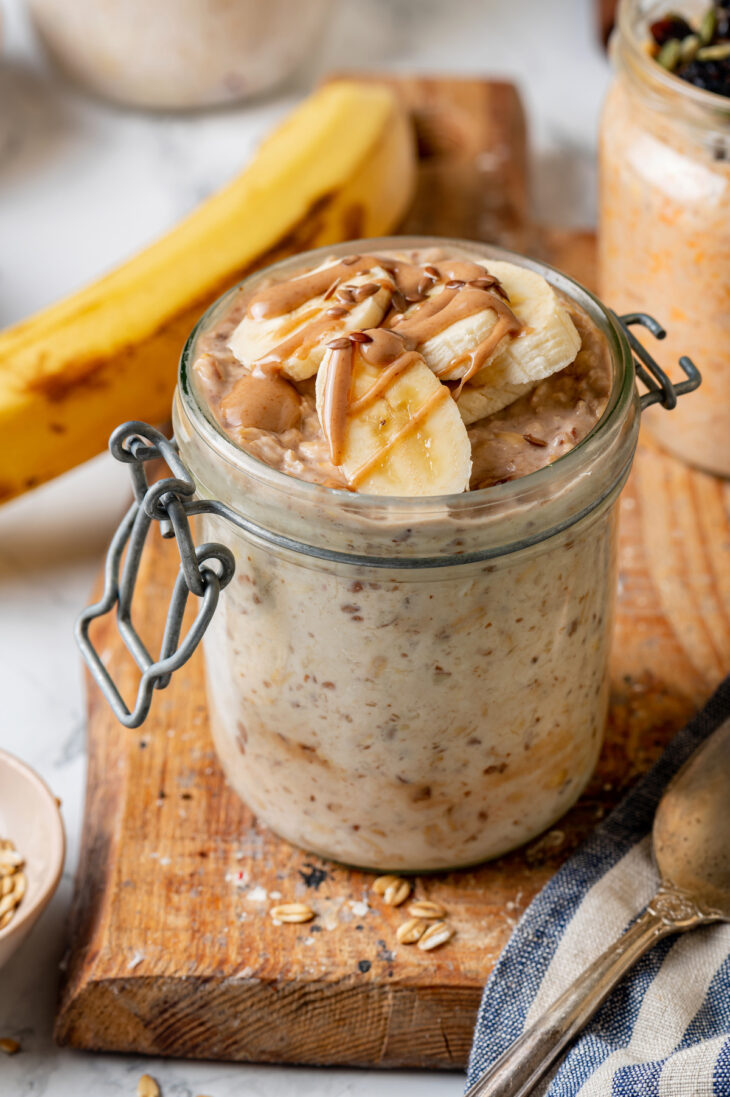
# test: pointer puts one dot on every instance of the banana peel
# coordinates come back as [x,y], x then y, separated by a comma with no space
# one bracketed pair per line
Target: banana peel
[342,165]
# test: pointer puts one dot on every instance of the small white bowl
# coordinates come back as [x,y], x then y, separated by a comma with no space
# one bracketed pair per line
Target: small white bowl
[29,816]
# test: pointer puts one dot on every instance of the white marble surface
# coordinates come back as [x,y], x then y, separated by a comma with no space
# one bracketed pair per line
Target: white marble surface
[82,185]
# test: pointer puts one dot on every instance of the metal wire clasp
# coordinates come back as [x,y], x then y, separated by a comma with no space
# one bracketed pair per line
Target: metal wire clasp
[167,502]
[660,389]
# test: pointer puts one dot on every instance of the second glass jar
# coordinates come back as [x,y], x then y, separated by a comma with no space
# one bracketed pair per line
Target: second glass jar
[664,240]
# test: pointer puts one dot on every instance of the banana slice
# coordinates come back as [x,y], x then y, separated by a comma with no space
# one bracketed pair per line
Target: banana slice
[548,340]
[476,402]
[295,342]
[394,429]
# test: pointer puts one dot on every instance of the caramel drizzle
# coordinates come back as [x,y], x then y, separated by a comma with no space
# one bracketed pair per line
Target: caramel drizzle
[408,428]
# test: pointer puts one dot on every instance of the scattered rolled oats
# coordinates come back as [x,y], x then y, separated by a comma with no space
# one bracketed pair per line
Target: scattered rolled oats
[9,857]
[397,893]
[292,912]
[147,1087]
[437,934]
[426,908]
[383,882]
[9,1046]
[409,932]
[12,880]
[394,889]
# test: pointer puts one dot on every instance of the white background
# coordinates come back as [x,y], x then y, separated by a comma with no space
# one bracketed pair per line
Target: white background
[82,186]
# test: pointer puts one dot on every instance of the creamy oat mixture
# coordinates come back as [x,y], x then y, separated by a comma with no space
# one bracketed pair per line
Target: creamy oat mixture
[421,718]
[416,723]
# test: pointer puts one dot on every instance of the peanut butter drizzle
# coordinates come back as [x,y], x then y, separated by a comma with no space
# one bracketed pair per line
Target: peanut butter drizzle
[266,403]
[383,349]
[448,307]
[283,297]
[302,340]
[391,349]
[389,374]
[413,423]
[336,398]
[482,351]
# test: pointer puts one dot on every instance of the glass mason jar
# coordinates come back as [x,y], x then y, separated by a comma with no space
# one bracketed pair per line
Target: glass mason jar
[405,684]
[421,683]
[664,241]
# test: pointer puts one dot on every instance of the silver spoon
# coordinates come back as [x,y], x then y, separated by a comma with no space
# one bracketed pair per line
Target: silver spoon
[691,840]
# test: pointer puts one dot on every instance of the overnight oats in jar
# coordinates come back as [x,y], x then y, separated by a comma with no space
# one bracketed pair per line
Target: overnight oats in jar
[664,241]
[419,445]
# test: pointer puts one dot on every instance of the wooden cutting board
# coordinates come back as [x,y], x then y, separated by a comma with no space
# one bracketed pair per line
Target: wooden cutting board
[172,951]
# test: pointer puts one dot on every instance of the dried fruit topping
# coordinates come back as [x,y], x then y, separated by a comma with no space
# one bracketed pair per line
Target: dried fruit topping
[710,75]
[671,26]
[701,54]
[722,23]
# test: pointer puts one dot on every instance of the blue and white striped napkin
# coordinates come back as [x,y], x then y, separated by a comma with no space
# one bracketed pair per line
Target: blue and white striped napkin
[665,1030]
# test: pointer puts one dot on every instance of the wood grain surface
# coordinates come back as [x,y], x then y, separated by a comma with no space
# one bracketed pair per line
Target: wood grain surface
[172,951]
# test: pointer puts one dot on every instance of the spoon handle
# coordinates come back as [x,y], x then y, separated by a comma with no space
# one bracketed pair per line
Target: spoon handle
[523,1064]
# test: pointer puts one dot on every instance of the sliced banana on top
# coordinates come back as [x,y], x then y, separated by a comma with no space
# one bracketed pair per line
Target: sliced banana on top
[546,342]
[477,401]
[295,341]
[449,353]
[393,428]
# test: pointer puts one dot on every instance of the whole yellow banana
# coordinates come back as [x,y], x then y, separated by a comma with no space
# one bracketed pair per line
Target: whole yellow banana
[341,165]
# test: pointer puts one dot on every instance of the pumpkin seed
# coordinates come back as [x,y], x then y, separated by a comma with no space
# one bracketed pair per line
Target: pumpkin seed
[688,48]
[714,53]
[669,54]
[707,26]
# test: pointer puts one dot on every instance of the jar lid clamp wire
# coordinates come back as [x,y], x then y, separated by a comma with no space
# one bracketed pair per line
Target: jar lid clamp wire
[171,502]
[167,502]
[660,389]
